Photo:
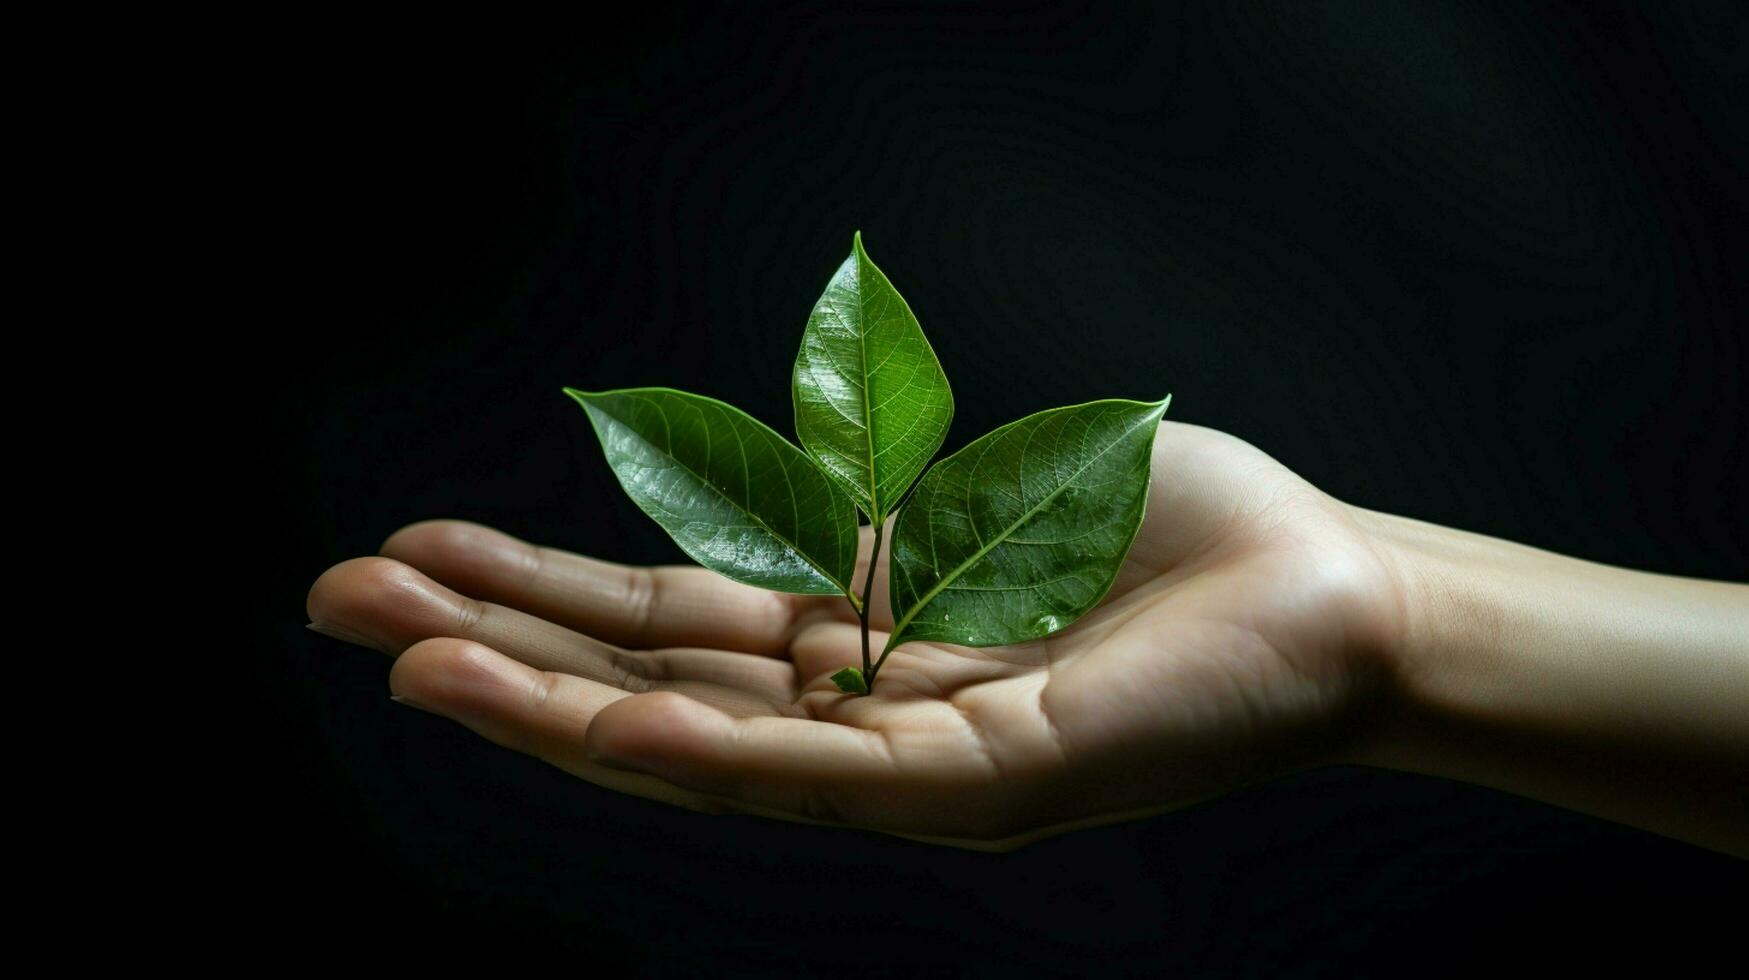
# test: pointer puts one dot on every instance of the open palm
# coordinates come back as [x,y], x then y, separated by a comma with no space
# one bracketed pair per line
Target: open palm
[1244,636]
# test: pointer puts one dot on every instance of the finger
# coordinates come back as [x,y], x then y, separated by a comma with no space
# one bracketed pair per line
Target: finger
[631,606]
[391,606]
[509,702]
[541,713]
[814,769]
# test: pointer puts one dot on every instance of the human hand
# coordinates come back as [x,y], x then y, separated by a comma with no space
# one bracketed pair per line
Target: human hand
[1249,632]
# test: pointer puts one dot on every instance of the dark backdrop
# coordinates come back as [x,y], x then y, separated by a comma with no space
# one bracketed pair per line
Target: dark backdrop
[1481,266]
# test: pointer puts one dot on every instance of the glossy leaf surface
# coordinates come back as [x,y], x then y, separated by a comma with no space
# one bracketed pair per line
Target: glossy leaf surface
[872,403]
[1022,532]
[736,496]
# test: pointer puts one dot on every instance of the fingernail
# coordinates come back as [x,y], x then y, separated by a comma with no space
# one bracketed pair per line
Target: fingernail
[342,634]
[409,702]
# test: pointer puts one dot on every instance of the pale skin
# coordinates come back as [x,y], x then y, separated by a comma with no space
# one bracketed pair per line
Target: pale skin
[1257,627]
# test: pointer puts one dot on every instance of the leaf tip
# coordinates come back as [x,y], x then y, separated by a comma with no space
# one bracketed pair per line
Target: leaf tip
[580,396]
[850,681]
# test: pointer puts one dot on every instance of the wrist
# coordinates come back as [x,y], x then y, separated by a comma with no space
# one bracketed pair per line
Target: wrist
[1447,618]
[1423,589]
[1495,641]
[1600,689]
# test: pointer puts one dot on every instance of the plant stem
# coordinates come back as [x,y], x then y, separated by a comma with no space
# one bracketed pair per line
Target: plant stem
[874,558]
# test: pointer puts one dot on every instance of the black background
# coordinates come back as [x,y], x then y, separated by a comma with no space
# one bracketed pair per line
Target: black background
[1478,265]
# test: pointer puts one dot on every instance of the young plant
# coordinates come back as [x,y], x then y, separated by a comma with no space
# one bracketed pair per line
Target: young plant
[1012,538]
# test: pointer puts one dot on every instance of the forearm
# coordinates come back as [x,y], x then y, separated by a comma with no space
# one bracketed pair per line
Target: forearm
[1618,693]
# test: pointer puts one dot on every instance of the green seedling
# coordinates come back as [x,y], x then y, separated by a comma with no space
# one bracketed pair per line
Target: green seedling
[1012,538]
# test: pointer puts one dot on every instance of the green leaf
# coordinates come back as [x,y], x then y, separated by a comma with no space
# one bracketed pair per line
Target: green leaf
[1022,532]
[736,496]
[849,680]
[872,404]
